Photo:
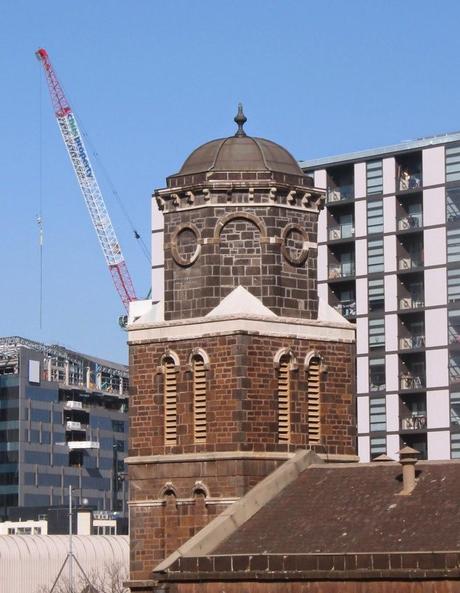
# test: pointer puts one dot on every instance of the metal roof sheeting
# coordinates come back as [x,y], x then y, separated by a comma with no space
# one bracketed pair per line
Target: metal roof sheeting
[28,562]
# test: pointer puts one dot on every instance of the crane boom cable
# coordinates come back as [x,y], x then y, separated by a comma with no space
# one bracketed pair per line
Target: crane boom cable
[88,184]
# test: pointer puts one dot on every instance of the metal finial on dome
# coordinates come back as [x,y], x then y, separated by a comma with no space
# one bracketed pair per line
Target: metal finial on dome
[240,119]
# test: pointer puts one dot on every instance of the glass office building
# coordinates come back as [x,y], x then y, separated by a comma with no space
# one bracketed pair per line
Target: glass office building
[63,421]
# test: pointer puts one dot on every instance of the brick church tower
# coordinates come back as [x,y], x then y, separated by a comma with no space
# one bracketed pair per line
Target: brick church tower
[243,365]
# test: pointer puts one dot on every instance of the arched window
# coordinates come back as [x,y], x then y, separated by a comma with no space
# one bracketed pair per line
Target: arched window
[313,368]
[284,397]
[169,366]
[199,370]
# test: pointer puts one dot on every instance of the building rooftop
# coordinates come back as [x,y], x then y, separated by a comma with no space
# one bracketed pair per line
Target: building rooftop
[406,145]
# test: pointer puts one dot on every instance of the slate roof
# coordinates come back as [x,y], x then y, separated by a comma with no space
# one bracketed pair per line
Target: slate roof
[339,509]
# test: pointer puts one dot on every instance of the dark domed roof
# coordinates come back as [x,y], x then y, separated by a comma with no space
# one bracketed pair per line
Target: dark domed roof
[240,153]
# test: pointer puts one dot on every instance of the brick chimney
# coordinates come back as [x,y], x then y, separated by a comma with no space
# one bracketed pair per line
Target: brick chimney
[408,457]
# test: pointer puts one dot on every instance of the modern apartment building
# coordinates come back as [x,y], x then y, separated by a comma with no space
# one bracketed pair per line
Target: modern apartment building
[63,422]
[389,260]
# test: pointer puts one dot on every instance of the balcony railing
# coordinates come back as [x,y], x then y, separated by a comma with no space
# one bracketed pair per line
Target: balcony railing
[454,374]
[412,221]
[346,308]
[341,271]
[412,342]
[377,382]
[415,302]
[407,263]
[341,231]
[340,193]
[409,181]
[412,382]
[414,422]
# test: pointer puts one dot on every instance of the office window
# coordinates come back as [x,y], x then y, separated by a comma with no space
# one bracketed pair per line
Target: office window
[37,415]
[455,445]
[453,245]
[453,285]
[378,447]
[377,414]
[375,216]
[376,294]
[376,332]
[454,367]
[377,374]
[118,426]
[374,177]
[375,256]
[455,409]
[453,204]
[452,163]
[120,445]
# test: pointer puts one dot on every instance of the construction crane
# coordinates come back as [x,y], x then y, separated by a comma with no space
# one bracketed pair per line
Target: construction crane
[88,184]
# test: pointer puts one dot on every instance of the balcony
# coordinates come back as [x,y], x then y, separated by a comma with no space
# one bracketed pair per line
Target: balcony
[346,308]
[74,445]
[407,263]
[414,422]
[340,193]
[408,181]
[337,271]
[412,342]
[341,231]
[408,382]
[409,303]
[410,222]
[71,405]
[71,425]
[377,382]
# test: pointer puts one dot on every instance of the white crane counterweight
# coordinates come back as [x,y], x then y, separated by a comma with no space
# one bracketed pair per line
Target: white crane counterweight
[88,184]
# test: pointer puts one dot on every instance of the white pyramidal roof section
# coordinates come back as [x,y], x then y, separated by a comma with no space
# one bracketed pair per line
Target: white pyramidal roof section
[328,313]
[241,302]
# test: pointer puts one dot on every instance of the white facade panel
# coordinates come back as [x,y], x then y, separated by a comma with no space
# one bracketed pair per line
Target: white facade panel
[391,372]
[34,371]
[435,287]
[320,178]
[389,214]
[438,409]
[433,171]
[434,246]
[393,446]
[361,296]
[434,206]
[392,403]
[389,253]
[363,414]
[322,262]
[438,444]
[364,448]
[362,374]
[437,372]
[391,332]
[361,257]
[436,327]
[322,226]
[391,292]
[389,175]
[360,218]
[362,339]
[360,180]
[323,291]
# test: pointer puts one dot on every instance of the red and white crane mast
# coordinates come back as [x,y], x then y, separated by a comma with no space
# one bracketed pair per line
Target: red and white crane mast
[88,184]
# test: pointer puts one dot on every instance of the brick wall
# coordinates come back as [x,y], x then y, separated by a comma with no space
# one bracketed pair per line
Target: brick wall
[241,396]
[206,256]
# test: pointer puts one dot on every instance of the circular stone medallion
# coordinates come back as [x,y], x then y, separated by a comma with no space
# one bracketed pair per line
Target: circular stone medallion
[186,245]
[294,245]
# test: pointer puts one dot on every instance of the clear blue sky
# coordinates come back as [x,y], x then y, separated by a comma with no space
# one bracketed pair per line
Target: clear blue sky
[151,80]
